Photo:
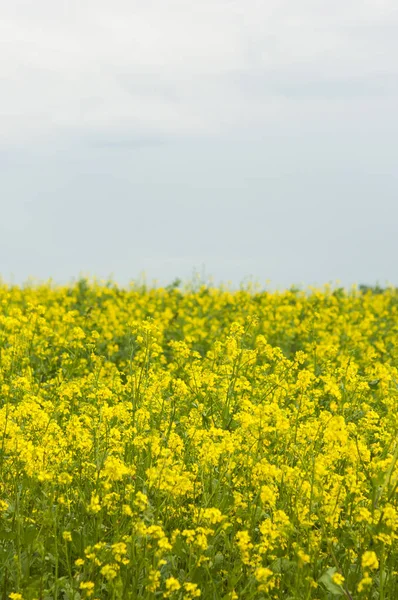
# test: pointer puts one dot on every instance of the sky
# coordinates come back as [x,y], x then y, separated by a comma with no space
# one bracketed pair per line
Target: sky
[238,139]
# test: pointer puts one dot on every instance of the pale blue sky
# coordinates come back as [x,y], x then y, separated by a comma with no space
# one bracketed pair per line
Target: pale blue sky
[245,138]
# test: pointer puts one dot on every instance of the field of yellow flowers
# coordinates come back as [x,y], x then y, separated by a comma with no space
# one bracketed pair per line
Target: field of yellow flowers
[167,443]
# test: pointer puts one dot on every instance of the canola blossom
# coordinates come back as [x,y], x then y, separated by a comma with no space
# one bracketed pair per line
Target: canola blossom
[198,443]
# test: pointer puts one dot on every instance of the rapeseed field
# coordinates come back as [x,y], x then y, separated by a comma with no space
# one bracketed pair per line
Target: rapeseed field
[198,443]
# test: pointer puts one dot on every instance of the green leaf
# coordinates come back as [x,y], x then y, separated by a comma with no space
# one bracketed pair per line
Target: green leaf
[283,565]
[30,534]
[374,383]
[7,534]
[328,583]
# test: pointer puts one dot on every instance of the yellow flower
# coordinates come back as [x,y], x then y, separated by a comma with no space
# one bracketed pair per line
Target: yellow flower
[110,571]
[264,579]
[172,585]
[213,515]
[114,469]
[338,579]
[79,562]
[88,587]
[201,425]
[127,510]
[192,591]
[245,545]
[94,505]
[268,496]
[303,556]
[141,501]
[119,551]
[365,582]
[153,580]
[369,559]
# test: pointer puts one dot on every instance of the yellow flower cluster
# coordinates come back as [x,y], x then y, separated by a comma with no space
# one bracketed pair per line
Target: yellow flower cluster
[198,442]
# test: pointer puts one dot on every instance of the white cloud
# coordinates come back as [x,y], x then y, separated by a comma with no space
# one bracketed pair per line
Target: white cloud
[185,67]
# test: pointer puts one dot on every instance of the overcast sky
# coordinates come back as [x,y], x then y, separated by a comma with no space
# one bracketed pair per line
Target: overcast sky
[239,138]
